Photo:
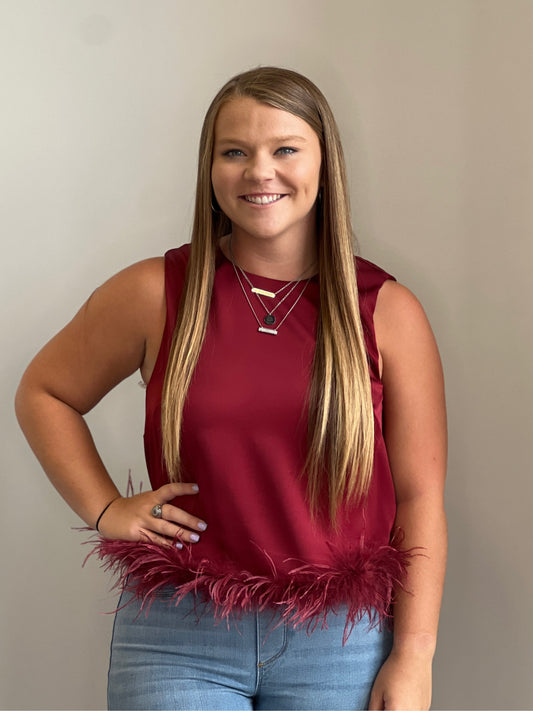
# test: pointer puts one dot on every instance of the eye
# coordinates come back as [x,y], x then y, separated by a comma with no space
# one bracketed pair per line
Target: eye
[233,153]
[286,150]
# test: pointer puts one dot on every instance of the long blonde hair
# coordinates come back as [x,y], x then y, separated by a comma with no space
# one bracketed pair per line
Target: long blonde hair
[341,422]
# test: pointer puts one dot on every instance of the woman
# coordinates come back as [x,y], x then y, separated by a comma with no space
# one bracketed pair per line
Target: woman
[295,436]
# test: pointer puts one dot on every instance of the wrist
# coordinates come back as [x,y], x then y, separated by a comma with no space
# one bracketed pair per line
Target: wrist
[415,645]
[96,525]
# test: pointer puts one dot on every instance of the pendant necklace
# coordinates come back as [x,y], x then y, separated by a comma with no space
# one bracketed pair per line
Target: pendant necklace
[269,319]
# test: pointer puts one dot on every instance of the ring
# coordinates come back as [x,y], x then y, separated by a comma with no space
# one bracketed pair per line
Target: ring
[157,511]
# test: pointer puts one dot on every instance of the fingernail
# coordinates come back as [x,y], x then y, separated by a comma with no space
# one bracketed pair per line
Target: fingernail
[178,545]
[195,537]
[201,526]
[195,487]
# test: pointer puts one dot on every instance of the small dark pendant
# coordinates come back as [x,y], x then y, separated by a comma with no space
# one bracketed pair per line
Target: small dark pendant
[269,319]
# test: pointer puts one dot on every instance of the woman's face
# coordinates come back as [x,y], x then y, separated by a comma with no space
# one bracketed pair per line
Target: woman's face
[266,171]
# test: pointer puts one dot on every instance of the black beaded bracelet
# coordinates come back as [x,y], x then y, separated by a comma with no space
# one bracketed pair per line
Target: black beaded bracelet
[103,512]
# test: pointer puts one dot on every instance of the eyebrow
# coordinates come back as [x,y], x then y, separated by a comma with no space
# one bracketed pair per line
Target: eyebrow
[275,139]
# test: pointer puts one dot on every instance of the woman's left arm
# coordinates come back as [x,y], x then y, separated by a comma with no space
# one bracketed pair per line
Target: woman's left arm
[414,420]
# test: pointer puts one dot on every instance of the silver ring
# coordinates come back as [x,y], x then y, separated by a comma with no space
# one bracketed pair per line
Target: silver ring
[157,511]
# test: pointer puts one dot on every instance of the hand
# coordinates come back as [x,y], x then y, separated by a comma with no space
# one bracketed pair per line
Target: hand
[131,519]
[403,683]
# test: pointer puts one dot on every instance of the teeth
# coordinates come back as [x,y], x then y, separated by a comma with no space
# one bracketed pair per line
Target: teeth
[262,200]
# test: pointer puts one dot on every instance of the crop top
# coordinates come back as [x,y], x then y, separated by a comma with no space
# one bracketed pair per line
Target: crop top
[244,438]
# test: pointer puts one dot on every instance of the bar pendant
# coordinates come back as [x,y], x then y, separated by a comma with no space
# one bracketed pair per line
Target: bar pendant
[272,331]
[263,292]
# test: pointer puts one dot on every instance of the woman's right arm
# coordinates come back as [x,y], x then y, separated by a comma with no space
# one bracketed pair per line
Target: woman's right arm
[117,331]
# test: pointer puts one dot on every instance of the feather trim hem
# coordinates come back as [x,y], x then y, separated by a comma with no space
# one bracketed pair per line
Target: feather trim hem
[364,579]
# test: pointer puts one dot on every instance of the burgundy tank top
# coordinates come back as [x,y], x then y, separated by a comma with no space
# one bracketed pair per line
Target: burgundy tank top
[244,444]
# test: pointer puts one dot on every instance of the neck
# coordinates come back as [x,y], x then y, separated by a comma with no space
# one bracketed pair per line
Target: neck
[269,259]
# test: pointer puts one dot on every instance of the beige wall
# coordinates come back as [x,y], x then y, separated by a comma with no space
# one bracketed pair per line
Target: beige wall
[101,107]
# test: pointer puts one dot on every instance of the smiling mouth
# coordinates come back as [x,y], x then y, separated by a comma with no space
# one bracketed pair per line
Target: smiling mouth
[262,199]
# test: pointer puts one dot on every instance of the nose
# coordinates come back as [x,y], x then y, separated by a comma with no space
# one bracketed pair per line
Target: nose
[259,167]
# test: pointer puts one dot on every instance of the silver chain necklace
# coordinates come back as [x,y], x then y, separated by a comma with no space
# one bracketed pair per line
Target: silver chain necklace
[269,319]
[264,292]
[262,329]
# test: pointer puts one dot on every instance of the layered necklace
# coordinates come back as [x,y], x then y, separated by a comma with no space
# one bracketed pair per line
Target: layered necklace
[269,324]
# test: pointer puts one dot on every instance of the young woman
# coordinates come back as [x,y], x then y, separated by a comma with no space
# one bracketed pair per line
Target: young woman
[295,437]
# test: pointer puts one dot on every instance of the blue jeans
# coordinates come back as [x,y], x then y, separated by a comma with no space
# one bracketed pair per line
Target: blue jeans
[179,658]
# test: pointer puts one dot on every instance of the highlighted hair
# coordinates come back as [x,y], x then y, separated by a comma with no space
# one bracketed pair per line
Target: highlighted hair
[341,421]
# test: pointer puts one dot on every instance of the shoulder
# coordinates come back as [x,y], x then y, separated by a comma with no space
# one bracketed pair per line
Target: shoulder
[403,333]
[128,310]
[398,309]
[148,271]
[370,280]
[137,288]
[179,254]
[142,285]
[149,274]
[177,258]
[124,316]
[370,277]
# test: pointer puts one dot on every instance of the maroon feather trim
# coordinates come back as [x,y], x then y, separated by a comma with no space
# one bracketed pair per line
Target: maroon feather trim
[364,579]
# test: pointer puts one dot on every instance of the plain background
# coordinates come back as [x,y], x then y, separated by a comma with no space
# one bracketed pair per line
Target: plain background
[102,102]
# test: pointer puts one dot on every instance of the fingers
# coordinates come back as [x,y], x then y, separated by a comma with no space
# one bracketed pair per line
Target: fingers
[167,492]
[182,518]
[175,523]
[181,527]
[131,518]
[159,540]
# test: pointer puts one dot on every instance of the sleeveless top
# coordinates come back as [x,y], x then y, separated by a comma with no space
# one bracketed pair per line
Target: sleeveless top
[244,439]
